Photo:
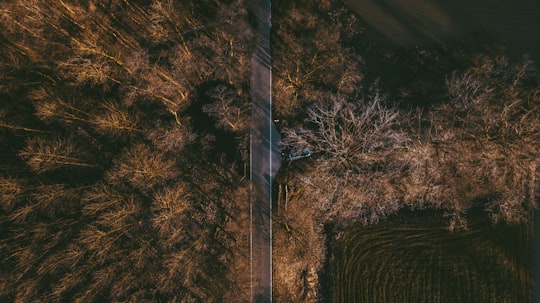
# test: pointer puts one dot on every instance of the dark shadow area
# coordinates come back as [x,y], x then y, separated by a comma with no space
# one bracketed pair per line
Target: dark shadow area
[225,142]
[262,298]
[412,47]
[325,276]
[513,24]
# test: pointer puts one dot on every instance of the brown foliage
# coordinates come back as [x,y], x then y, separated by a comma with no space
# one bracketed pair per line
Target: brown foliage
[97,199]
[309,60]
[171,137]
[229,109]
[44,155]
[344,130]
[143,168]
[477,149]
[172,208]
[297,225]
[116,120]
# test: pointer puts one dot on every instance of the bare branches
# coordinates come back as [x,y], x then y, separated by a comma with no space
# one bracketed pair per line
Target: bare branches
[310,61]
[48,155]
[143,168]
[89,71]
[493,103]
[10,191]
[229,109]
[94,133]
[51,107]
[171,137]
[116,120]
[101,198]
[344,131]
[171,208]
[480,149]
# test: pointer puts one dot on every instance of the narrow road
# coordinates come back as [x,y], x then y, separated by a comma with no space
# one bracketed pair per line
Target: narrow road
[265,158]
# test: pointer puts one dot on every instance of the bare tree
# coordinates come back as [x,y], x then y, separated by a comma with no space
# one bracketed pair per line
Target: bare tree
[101,197]
[43,154]
[10,191]
[142,168]
[116,120]
[92,80]
[228,109]
[310,60]
[158,84]
[89,71]
[171,137]
[171,208]
[489,134]
[345,131]
[53,106]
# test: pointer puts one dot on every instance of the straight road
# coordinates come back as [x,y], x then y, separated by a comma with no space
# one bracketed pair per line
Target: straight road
[265,158]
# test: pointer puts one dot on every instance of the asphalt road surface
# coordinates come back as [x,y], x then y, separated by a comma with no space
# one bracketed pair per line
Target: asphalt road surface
[265,158]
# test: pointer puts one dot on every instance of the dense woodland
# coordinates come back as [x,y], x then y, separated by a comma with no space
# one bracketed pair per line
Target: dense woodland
[432,127]
[115,183]
[124,137]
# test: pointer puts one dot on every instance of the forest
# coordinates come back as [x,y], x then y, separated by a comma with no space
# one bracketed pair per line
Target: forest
[448,128]
[115,182]
[124,144]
